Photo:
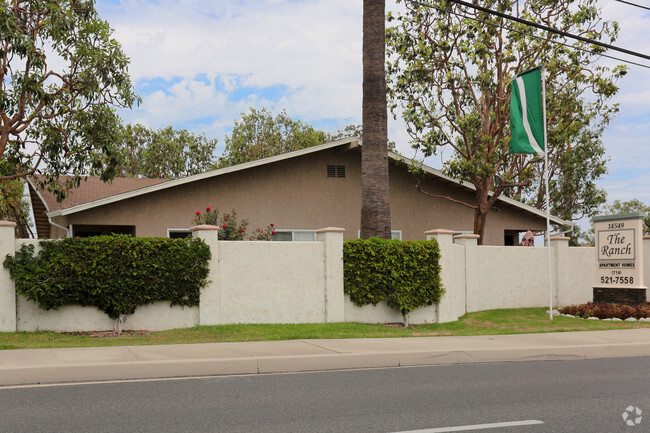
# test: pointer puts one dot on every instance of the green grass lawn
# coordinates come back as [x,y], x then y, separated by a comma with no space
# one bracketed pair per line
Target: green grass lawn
[513,321]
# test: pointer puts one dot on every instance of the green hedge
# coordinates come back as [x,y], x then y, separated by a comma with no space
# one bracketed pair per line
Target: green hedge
[114,273]
[406,274]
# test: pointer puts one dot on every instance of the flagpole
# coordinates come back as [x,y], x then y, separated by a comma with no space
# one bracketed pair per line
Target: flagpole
[548,205]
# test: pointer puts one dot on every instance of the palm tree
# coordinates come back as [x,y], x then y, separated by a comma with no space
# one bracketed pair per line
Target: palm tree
[375,203]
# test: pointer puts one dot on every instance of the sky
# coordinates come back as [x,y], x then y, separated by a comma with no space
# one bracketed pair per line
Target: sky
[198,64]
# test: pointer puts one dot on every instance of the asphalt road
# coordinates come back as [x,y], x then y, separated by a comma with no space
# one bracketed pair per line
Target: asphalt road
[546,396]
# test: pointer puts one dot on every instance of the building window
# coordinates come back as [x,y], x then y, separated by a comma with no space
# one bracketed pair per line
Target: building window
[84,231]
[179,233]
[295,235]
[335,171]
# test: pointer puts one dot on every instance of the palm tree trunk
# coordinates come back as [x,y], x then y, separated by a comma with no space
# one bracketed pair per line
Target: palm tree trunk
[375,203]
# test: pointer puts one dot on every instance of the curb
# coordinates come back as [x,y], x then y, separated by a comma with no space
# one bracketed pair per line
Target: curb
[187,368]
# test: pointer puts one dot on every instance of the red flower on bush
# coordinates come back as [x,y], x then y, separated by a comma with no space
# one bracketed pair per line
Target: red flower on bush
[207,209]
[272,226]
[224,226]
[274,232]
[198,213]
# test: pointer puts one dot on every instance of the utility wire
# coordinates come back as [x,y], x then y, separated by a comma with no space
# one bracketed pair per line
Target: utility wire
[633,4]
[526,34]
[538,26]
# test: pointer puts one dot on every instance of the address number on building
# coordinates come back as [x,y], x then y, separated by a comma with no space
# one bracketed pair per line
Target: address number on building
[616,280]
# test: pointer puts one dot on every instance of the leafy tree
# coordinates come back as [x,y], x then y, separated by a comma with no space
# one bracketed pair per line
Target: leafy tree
[14,205]
[618,207]
[164,153]
[259,135]
[450,77]
[375,194]
[61,75]
[632,206]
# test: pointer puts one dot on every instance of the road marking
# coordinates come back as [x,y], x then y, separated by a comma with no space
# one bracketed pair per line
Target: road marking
[476,426]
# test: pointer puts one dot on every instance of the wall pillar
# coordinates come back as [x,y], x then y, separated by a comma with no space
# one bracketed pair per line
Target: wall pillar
[646,259]
[452,304]
[472,278]
[7,288]
[332,239]
[561,269]
[210,300]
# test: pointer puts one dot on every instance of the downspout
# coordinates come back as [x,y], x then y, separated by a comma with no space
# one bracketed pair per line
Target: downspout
[67,229]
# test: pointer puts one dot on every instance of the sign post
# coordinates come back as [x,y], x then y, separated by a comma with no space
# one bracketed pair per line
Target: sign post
[619,255]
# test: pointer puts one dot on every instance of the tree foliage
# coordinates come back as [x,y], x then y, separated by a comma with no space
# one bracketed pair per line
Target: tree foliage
[14,205]
[61,75]
[450,76]
[165,153]
[581,235]
[405,274]
[114,273]
[632,206]
[259,134]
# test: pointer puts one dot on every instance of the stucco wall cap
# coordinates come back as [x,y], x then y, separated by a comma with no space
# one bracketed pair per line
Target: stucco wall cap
[646,236]
[439,232]
[203,227]
[560,238]
[7,224]
[331,230]
[467,236]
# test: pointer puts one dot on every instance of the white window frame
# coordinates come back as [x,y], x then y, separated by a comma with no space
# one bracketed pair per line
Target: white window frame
[293,234]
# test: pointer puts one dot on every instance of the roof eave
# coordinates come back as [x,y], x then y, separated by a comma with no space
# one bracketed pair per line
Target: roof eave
[350,142]
[502,198]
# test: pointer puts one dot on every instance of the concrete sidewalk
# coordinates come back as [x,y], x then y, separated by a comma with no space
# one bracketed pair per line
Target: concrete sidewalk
[142,362]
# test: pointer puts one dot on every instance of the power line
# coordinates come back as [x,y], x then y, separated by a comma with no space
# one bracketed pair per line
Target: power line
[526,34]
[633,4]
[538,26]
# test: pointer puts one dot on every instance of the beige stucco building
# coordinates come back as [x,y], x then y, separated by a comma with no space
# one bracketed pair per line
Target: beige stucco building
[299,192]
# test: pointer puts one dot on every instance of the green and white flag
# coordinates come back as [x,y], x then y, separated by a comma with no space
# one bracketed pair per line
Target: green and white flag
[527,113]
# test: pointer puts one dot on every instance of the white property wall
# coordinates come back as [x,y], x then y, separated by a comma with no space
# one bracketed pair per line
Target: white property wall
[250,282]
[301,282]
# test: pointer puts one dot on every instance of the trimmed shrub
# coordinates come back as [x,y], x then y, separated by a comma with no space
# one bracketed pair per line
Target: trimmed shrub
[607,311]
[405,274]
[114,273]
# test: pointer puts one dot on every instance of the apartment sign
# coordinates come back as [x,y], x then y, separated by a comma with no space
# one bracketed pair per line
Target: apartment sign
[619,243]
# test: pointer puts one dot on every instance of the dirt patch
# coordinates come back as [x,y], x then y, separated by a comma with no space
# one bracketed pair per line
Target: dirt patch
[432,334]
[109,333]
[395,325]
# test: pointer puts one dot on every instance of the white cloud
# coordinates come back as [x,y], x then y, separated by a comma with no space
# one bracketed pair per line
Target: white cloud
[312,47]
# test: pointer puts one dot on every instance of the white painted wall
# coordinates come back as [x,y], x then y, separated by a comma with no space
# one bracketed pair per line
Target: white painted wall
[271,282]
[73,318]
[382,313]
[302,282]
[250,282]
[576,273]
[509,277]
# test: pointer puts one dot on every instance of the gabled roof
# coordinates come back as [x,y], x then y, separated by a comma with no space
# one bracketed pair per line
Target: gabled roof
[122,189]
[92,189]
[503,199]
